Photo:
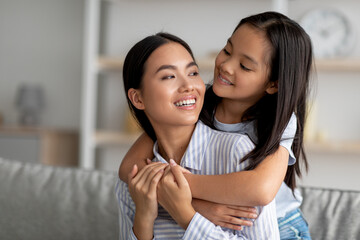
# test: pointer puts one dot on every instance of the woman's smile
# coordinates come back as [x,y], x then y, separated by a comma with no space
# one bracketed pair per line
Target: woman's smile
[187,103]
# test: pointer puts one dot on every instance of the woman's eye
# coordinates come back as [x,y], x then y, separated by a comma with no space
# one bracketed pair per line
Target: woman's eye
[245,68]
[194,74]
[168,77]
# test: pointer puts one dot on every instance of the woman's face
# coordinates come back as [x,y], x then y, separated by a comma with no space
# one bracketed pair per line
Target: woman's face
[172,90]
[241,71]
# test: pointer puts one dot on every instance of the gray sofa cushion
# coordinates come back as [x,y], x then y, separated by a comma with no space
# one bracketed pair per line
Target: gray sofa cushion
[43,202]
[332,214]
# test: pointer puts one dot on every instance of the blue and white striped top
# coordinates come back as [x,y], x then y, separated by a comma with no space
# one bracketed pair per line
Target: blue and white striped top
[209,152]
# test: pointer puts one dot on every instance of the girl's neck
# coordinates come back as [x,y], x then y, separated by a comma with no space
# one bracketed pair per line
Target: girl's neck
[230,111]
[173,141]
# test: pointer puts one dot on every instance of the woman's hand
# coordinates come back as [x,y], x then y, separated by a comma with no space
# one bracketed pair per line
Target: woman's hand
[175,196]
[142,188]
[227,216]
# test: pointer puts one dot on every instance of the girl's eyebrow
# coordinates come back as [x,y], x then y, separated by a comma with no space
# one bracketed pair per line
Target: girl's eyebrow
[172,67]
[229,41]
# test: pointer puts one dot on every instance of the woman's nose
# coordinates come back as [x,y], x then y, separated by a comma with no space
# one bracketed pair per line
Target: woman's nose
[186,84]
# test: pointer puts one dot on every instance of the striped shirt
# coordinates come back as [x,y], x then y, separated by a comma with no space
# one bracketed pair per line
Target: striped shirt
[209,152]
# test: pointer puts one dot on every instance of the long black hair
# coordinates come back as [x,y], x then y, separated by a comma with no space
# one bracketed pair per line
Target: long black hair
[290,63]
[134,68]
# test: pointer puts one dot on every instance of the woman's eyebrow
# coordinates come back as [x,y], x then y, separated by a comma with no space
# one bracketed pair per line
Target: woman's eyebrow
[192,64]
[172,67]
[162,67]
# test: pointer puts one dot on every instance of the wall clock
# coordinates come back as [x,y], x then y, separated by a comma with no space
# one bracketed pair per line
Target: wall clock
[330,31]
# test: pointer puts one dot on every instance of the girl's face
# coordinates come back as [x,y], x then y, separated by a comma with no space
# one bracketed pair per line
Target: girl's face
[241,72]
[172,90]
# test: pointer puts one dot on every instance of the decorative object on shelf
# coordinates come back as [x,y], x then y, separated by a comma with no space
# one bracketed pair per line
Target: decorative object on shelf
[30,102]
[331,32]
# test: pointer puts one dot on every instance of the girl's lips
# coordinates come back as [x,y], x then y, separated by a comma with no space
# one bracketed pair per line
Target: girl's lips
[223,80]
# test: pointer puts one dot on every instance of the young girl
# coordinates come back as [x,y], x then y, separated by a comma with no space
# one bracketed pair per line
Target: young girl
[166,94]
[261,84]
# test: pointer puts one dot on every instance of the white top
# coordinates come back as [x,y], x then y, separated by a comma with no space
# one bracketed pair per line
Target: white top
[285,200]
[209,152]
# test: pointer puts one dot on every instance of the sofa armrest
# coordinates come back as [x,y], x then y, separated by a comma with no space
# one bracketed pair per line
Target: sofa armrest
[331,213]
[45,202]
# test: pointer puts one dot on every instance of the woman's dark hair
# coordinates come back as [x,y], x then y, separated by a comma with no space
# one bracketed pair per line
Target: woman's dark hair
[290,63]
[134,68]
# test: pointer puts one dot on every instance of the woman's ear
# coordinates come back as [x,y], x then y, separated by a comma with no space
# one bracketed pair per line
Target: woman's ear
[135,98]
[272,88]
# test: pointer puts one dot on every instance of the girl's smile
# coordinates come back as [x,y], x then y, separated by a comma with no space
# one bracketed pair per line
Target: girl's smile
[222,80]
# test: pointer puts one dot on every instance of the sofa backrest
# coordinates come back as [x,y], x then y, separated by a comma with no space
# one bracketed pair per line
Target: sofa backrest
[331,213]
[44,202]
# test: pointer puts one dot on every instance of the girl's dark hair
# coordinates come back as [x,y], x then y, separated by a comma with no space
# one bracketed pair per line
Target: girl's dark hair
[290,63]
[134,68]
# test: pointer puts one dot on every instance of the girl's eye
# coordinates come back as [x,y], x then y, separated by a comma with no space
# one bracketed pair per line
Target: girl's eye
[244,68]
[168,77]
[226,51]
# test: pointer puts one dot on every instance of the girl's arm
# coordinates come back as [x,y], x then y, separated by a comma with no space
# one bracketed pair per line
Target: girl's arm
[257,187]
[137,154]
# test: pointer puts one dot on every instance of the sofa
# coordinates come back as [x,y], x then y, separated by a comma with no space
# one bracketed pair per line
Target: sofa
[45,202]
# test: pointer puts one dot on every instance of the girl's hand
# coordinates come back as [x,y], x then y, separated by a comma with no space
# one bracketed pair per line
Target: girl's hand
[175,196]
[227,216]
[142,188]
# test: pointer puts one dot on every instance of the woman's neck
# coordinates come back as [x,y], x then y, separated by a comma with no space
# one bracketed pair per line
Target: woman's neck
[230,111]
[173,141]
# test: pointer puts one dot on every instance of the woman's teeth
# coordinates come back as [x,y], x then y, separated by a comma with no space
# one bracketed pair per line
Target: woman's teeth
[187,102]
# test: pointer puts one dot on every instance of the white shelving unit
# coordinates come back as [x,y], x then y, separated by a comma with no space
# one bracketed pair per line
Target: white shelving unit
[92,138]
[90,74]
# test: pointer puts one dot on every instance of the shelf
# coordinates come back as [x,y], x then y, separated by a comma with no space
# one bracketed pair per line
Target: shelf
[106,138]
[343,147]
[58,147]
[110,64]
[345,64]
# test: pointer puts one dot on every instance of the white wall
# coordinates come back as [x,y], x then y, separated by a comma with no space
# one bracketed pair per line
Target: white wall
[41,42]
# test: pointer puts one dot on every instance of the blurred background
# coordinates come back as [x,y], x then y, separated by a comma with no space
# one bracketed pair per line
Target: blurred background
[61,94]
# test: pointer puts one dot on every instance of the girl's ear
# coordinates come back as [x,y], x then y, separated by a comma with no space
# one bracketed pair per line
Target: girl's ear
[272,88]
[135,98]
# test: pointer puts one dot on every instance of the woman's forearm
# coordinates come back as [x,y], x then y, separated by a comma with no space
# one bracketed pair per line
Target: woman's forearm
[143,229]
[137,154]
[246,188]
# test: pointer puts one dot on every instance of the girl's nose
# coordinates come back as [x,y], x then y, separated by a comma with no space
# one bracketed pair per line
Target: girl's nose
[227,67]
